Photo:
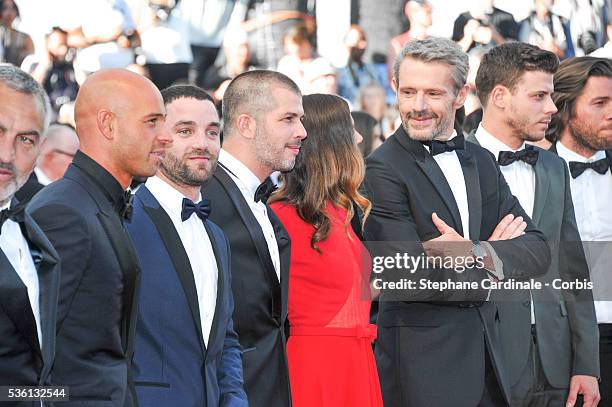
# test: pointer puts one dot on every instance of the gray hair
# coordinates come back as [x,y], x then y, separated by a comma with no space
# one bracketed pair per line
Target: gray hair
[435,49]
[19,81]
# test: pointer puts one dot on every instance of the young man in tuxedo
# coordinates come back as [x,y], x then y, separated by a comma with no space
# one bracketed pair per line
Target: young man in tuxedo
[55,157]
[581,133]
[29,266]
[434,194]
[549,336]
[119,121]
[186,302]
[262,132]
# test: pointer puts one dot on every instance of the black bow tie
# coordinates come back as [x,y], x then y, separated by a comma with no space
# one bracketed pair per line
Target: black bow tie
[600,166]
[14,213]
[201,209]
[127,205]
[438,147]
[264,190]
[527,155]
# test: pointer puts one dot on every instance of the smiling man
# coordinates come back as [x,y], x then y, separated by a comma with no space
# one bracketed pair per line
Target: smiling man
[263,131]
[515,84]
[119,121]
[185,262]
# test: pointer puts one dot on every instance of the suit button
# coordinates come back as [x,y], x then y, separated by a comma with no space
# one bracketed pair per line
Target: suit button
[527,304]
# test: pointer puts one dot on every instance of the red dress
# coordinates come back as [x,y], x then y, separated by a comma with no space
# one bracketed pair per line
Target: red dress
[331,363]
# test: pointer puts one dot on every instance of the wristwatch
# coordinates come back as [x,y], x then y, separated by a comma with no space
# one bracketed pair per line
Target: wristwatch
[478,249]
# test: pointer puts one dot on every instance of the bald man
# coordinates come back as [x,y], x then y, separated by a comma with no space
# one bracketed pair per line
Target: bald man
[119,119]
[56,155]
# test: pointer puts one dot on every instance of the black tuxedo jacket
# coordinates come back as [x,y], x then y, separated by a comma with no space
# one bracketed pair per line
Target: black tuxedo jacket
[23,361]
[260,311]
[97,310]
[432,339]
[29,189]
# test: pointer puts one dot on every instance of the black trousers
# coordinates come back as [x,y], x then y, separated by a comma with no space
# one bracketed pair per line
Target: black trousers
[203,58]
[605,362]
[164,75]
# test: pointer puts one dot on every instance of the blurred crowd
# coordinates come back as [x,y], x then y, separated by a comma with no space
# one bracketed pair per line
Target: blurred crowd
[209,42]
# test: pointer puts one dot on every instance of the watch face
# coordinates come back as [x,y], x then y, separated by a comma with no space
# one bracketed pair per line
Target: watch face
[478,250]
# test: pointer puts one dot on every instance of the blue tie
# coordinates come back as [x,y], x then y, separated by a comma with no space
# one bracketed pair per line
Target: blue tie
[201,209]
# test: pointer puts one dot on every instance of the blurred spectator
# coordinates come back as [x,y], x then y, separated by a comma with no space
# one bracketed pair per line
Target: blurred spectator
[299,57]
[472,102]
[544,29]
[365,124]
[66,114]
[15,45]
[484,25]
[586,25]
[56,154]
[320,77]
[209,21]
[53,69]
[356,73]
[165,42]
[606,50]
[418,13]
[372,101]
[234,61]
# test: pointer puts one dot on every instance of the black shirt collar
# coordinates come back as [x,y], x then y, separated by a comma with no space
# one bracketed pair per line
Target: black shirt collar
[100,177]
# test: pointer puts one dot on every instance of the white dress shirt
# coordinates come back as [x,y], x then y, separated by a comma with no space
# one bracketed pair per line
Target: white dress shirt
[592,196]
[198,247]
[16,249]
[519,175]
[451,168]
[42,177]
[248,182]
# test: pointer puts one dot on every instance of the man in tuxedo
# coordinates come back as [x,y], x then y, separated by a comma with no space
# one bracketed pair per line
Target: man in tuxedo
[435,195]
[549,336]
[185,260]
[119,119]
[581,133]
[262,112]
[29,266]
[56,155]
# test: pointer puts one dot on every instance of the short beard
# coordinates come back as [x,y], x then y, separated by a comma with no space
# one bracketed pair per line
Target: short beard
[178,171]
[587,136]
[440,126]
[519,126]
[15,185]
[267,157]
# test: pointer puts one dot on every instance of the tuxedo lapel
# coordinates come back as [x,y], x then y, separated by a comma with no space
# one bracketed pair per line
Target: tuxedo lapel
[542,184]
[128,262]
[472,186]
[16,303]
[250,222]
[48,281]
[220,283]
[284,248]
[178,255]
[436,177]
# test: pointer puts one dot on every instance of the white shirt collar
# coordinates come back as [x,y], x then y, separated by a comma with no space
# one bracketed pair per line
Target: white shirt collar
[569,155]
[492,143]
[42,177]
[240,171]
[167,196]
[6,205]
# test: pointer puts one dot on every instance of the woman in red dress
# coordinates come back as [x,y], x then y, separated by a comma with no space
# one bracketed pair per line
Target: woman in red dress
[331,363]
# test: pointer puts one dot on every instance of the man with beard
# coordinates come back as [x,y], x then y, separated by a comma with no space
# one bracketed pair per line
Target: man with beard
[581,133]
[263,131]
[119,117]
[29,266]
[433,194]
[186,351]
[549,336]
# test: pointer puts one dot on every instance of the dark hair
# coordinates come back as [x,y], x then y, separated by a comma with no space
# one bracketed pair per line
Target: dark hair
[250,92]
[171,93]
[365,124]
[56,29]
[505,65]
[15,6]
[569,81]
[299,33]
[328,169]
[472,121]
